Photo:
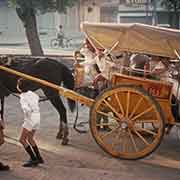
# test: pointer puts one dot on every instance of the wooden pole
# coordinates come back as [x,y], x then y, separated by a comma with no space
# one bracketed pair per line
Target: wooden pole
[62,91]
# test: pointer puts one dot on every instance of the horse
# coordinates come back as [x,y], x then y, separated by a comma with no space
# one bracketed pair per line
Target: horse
[46,69]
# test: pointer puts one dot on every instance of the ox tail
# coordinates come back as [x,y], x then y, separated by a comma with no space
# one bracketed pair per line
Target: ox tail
[68,82]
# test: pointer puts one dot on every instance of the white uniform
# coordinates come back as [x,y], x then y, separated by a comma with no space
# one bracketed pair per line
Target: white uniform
[105,66]
[103,63]
[30,105]
[88,63]
[88,58]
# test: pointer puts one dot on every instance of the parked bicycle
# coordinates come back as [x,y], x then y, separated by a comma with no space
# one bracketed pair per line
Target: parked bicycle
[63,42]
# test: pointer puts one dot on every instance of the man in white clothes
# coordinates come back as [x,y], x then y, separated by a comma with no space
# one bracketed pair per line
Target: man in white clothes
[99,58]
[2,166]
[30,105]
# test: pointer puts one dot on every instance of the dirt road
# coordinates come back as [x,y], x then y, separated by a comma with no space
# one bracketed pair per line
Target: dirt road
[82,159]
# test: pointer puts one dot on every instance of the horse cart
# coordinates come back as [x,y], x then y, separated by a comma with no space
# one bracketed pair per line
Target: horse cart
[136,110]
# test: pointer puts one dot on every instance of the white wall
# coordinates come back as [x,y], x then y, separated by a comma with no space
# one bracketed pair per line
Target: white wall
[11,27]
[92,16]
[70,20]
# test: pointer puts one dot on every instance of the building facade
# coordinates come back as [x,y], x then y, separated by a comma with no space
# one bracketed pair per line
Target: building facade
[124,11]
[117,11]
[143,11]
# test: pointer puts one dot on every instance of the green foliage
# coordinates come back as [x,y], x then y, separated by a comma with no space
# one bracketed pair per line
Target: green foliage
[171,4]
[43,6]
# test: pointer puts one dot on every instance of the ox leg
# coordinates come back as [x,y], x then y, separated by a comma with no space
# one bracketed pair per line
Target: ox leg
[2,108]
[58,104]
[60,132]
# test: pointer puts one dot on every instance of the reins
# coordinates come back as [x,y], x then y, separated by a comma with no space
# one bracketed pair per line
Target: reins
[75,121]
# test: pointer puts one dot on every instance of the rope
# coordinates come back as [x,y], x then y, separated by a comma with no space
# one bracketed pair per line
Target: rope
[75,121]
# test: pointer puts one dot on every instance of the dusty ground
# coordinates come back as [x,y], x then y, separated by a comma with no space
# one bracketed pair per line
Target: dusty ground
[82,159]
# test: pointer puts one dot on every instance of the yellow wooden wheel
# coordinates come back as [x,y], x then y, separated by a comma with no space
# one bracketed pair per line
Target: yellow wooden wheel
[121,122]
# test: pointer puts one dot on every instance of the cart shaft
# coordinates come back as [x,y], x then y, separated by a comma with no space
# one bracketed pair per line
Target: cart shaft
[62,91]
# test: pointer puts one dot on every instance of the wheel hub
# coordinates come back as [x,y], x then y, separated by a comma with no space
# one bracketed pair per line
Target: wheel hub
[124,125]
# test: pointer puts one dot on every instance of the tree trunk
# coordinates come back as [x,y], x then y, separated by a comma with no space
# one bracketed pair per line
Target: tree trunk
[176,15]
[170,18]
[29,19]
[177,20]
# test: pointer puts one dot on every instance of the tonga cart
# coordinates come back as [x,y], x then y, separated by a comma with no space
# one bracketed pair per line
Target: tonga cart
[138,109]
[135,110]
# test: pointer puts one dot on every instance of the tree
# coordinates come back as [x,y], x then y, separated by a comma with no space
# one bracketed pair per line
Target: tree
[173,6]
[27,10]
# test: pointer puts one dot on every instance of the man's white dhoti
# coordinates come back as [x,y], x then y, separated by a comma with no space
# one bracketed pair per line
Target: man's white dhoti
[30,105]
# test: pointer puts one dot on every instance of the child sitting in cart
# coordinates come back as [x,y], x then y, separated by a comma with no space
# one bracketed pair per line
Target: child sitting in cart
[30,105]
[153,67]
[160,68]
[156,67]
[105,66]
[98,66]
[90,68]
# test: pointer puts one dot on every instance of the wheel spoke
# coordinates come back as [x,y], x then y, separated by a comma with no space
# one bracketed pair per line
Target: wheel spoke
[106,124]
[136,107]
[141,137]
[107,115]
[127,102]
[146,121]
[103,107]
[133,140]
[113,109]
[109,133]
[119,103]
[124,144]
[115,140]
[147,130]
[142,113]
